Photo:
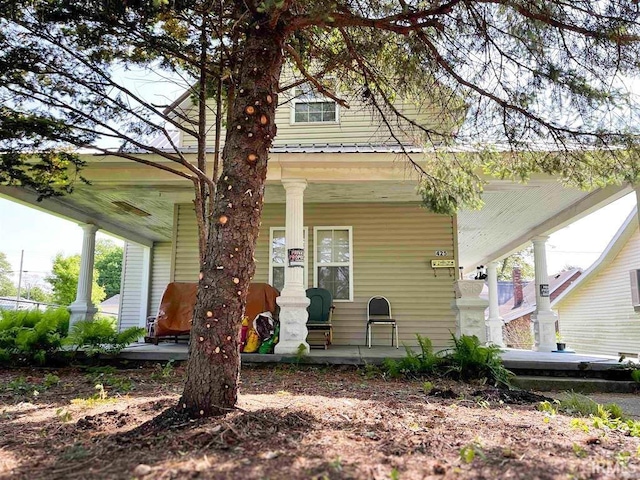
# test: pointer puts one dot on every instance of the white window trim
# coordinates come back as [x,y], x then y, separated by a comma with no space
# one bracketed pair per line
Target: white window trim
[334,264]
[306,256]
[319,99]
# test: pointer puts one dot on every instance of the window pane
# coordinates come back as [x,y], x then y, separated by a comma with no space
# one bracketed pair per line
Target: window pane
[278,278]
[324,246]
[301,112]
[329,115]
[340,246]
[278,247]
[336,280]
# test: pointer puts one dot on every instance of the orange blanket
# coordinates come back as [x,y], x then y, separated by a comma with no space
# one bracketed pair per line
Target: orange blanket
[178,300]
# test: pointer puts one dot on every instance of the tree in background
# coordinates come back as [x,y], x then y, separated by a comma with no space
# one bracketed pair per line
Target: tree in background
[7,287]
[64,280]
[108,264]
[522,259]
[543,80]
[39,294]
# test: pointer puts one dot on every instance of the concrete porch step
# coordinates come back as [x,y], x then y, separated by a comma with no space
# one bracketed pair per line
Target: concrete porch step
[579,385]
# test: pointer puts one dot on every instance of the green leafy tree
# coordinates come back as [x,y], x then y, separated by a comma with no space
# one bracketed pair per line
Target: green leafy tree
[64,280]
[108,264]
[7,288]
[39,294]
[522,259]
[544,80]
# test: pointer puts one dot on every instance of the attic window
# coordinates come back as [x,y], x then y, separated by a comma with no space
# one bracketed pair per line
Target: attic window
[308,106]
[128,208]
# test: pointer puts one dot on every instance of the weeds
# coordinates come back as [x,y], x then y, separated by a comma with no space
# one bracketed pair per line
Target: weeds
[164,372]
[98,398]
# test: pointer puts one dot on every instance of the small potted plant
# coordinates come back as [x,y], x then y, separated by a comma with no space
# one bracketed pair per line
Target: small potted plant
[560,344]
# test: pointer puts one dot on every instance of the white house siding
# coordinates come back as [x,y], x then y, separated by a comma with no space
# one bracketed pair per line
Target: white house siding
[393,245]
[131,288]
[598,317]
[160,273]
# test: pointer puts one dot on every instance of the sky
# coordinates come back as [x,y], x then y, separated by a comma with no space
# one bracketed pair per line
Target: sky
[42,236]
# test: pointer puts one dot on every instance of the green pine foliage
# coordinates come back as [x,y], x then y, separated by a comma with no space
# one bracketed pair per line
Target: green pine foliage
[100,335]
[32,336]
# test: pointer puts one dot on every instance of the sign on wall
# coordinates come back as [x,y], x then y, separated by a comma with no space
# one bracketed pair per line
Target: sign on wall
[544,290]
[296,257]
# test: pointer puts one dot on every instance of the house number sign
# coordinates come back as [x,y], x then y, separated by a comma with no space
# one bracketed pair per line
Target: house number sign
[441,253]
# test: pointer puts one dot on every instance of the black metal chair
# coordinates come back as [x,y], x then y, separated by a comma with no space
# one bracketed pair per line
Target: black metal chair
[379,313]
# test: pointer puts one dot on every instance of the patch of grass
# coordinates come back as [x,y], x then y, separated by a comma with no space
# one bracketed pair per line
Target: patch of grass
[427,387]
[99,398]
[63,415]
[107,375]
[165,371]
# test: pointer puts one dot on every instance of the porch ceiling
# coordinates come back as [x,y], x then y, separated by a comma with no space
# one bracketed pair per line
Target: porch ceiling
[513,213]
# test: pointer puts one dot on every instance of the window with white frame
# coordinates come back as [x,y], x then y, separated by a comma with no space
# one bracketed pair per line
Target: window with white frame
[278,257]
[308,106]
[333,261]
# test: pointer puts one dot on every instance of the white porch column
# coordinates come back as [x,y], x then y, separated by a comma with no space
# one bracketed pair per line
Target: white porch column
[469,309]
[494,322]
[82,308]
[293,300]
[544,319]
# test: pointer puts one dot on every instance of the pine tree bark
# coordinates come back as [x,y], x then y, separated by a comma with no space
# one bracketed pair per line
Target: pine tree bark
[228,264]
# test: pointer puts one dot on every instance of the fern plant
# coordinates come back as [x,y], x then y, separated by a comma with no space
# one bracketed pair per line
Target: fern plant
[32,336]
[468,359]
[99,336]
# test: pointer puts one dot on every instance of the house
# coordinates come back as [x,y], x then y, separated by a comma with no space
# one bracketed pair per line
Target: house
[516,313]
[111,306]
[359,215]
[600,312]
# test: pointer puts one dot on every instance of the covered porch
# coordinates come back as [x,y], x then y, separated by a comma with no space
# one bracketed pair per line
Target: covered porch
[147,208]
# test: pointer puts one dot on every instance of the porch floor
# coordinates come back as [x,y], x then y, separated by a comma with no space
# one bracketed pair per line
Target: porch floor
[361,355]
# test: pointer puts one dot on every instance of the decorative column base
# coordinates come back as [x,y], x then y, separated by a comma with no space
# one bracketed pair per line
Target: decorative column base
[469,308]
[293,323]
[494,329]
[81,311]
[544,330]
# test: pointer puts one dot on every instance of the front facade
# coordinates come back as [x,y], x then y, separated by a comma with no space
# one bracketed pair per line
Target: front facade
[339,183]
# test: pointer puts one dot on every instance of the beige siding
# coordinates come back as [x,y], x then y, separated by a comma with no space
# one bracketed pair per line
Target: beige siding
[160,274]
[186,266]
[131,288]
[357,124]
[393,245]
[598,316]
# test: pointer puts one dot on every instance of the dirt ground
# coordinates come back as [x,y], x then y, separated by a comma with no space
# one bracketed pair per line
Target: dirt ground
[293,423]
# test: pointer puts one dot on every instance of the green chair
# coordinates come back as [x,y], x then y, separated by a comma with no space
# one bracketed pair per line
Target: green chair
[320,311]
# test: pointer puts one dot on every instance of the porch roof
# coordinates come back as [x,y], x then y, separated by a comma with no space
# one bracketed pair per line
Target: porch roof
[512,215]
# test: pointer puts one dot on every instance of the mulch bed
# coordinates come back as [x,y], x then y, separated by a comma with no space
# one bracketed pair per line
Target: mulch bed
[293,423]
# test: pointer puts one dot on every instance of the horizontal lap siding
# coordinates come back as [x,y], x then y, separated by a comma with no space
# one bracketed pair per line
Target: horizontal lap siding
[187,265]
[160,274]
[357,125]
[598,317]
[393,245]
[131,288]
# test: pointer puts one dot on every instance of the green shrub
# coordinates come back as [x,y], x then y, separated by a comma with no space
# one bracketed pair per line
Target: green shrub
[101,336]
[32,335]
[468,360]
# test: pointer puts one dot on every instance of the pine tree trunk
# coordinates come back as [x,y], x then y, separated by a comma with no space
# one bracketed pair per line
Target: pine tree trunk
[228,266]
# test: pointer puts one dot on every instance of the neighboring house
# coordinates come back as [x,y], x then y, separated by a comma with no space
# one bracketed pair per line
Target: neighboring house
[516,313]
[598,313]
[9,303]
[111,306]
[366,232]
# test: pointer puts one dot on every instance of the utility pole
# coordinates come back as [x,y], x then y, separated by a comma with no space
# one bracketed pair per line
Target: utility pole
[19,279]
